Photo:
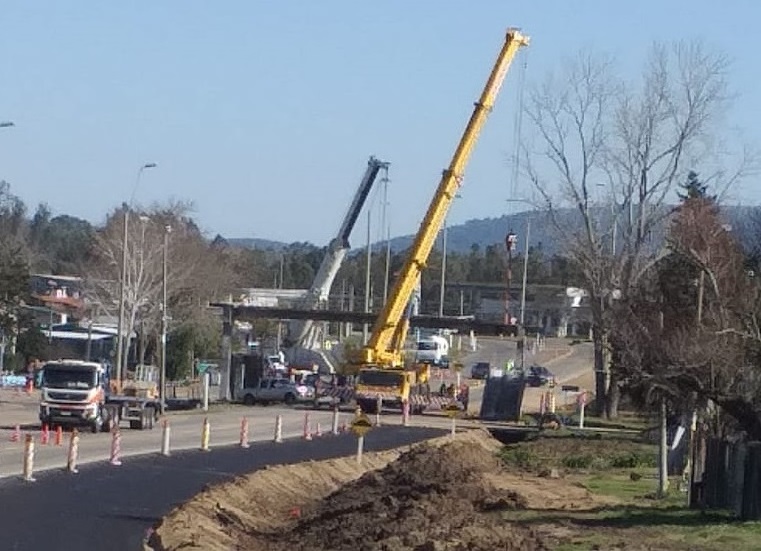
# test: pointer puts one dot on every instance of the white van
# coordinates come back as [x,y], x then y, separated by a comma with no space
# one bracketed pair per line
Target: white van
[433,350]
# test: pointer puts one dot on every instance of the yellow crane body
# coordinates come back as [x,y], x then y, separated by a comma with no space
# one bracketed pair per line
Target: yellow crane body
[384,349]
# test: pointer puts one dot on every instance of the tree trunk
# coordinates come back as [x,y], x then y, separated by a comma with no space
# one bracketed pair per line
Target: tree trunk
[601,387]
[613,397]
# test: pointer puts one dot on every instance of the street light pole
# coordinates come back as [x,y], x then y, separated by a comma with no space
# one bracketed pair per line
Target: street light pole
[366,327]
[164,320]
[443,268]
[525,271]
[122,289]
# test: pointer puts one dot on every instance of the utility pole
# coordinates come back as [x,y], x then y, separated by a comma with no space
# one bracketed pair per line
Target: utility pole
[387,226]
[525,272]
[164,319]
[443,268]
[365,327]
[510,245]
[120,353]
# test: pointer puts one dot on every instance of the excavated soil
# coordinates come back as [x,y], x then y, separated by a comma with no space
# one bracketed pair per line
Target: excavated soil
[442,495]
[430,499]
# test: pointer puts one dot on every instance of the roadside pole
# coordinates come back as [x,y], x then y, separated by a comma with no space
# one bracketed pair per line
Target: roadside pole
[205,379]
[452,410]
[360,426]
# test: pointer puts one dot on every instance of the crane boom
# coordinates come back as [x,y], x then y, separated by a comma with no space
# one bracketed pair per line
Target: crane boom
[384,346]
[318,292]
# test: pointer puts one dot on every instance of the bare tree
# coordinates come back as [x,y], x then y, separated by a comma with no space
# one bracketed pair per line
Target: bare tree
[143,279]
[629,143]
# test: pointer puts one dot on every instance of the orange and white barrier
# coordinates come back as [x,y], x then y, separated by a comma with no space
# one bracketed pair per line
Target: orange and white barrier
[116,447]
[29,458]
[405,414]
[205,434]
[307,427]
[16,434]
[59,436]
[44,435]
[244,432]
[166,432]
[334,424]
[318,431]
[279,429]
[73,456]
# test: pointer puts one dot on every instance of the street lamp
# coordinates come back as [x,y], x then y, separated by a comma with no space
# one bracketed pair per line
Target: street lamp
[120,323]
[164,321]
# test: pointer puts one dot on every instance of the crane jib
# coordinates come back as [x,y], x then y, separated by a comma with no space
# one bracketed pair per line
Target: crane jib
[385,341]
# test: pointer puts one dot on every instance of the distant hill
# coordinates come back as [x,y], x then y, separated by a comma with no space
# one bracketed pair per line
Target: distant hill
[256,243]
[745,223]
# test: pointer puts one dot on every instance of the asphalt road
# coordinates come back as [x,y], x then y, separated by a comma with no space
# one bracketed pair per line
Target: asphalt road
[112,508]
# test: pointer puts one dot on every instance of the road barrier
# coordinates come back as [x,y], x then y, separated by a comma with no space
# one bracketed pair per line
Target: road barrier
[405,413]
[318,432]
[29,458]
[16,434]
[307,427]
[334,424]
[44,435]
[165,435]
[59,435]
[116,447]
[244,432]
[73,456]
[205,434]
[279,429]
[378,407]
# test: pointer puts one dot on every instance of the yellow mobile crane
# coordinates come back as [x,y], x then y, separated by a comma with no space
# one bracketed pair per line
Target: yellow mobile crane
[379,365]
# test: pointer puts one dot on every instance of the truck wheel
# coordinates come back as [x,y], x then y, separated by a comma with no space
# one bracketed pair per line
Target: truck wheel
[248,400]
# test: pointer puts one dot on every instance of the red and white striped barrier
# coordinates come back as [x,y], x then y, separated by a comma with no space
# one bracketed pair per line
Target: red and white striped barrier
[59,436]
[244,432]
[73,456]
[307,427]
[29,458]
[279,429]
[116,447]
[334,425]
[44,435]
[165,435]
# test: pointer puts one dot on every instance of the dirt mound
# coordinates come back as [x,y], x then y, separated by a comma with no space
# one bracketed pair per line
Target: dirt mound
[431,498]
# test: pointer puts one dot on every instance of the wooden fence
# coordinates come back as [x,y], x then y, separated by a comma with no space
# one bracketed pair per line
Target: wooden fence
[729,477]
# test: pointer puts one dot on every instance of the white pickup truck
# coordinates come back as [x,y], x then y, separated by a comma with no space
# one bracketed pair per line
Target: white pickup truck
[276,390]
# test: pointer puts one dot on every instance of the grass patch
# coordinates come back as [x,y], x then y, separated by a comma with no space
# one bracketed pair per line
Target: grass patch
[624,468]
[571,451]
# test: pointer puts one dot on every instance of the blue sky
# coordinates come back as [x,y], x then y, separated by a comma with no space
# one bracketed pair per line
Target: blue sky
[263,114]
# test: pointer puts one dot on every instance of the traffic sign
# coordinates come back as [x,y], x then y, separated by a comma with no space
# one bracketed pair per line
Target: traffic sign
[452,409]
[361,425]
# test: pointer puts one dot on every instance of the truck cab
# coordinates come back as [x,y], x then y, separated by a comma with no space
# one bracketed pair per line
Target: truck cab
[73,393]
[433,350]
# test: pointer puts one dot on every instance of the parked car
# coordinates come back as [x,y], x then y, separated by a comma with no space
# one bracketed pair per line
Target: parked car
[538,375]
[480,370]
[277,390]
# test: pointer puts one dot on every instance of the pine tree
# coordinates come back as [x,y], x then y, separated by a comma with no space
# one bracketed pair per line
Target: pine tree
[694,188]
